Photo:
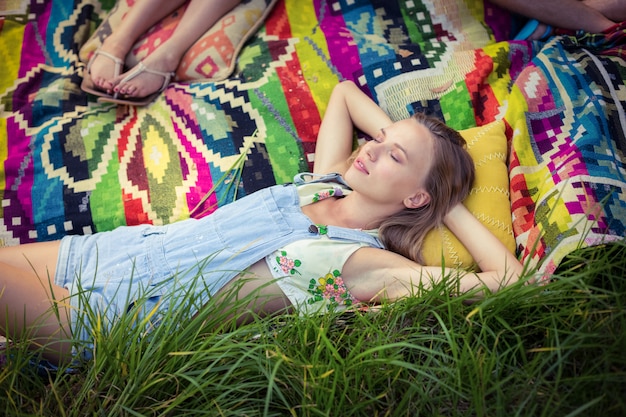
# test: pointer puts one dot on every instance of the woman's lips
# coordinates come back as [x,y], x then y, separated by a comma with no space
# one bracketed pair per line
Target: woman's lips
[360,166]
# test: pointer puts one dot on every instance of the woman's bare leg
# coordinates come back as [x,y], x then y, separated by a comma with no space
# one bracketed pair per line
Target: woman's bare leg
[142,16]
[199,17]
[31,305]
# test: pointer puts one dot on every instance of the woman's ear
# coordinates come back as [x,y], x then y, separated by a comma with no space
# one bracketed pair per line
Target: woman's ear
[417,200]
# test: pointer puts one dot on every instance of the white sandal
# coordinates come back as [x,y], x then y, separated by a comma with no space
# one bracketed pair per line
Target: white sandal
[88,85]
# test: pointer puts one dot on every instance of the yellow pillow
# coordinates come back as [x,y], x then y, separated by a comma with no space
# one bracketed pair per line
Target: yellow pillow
[488,199]
[212,57]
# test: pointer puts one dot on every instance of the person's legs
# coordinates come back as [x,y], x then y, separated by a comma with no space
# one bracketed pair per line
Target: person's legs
[31,305]
[564,14]
[142,16]
[604,14]
[611,9]
[199,16]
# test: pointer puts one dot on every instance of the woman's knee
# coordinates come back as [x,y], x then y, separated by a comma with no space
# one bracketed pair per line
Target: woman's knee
[40,257]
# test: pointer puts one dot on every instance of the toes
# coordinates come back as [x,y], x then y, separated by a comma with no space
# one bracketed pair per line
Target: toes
[103,84]
[127,90]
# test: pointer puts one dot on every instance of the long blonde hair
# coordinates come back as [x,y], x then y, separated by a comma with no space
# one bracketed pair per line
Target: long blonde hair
[448,182]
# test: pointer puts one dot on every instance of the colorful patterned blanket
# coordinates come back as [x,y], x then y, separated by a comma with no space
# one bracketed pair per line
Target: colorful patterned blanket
[72,165]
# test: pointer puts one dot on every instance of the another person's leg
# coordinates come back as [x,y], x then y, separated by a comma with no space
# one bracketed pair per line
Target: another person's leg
[142,16]
[31,305]
[199,17]
[611,9]
[565,14]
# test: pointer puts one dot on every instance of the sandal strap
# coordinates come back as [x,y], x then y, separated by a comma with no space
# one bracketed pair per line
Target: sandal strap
[141,68]
[119,64]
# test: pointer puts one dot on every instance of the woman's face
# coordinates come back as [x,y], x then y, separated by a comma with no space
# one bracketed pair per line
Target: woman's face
[393,166]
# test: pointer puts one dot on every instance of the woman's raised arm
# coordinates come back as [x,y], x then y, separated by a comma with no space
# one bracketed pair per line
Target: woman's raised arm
[498,265]
[382,275]
[347,108]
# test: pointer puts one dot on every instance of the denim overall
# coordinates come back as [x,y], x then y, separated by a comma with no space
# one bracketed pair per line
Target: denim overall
[112,270]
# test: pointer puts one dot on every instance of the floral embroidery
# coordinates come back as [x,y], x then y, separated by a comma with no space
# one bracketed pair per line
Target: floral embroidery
[288,265]
[332,192]
[332,288]
[322,195]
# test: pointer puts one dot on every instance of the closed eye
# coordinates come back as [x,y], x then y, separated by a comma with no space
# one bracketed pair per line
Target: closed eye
[397,148]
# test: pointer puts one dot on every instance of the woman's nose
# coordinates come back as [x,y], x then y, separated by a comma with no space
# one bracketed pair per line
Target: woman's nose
[371,150]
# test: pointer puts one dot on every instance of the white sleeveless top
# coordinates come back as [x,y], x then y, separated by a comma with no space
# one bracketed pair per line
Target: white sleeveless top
[309,271]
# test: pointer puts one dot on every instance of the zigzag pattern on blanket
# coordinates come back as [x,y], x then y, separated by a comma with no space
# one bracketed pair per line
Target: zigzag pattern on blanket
[82,167]
[569,181]
[132,166]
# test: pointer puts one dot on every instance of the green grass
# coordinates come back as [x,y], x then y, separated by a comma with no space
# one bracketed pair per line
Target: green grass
[558,350]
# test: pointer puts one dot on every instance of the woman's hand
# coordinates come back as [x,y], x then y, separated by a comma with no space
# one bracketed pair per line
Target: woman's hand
[348,107]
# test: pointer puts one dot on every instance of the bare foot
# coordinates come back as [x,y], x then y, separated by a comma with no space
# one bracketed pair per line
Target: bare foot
[146,83]
[107,63]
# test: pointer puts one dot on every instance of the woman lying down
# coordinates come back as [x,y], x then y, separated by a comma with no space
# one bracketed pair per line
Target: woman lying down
[360,217]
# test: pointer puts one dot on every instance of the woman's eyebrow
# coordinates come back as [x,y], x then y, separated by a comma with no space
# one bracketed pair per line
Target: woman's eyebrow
[395,144]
